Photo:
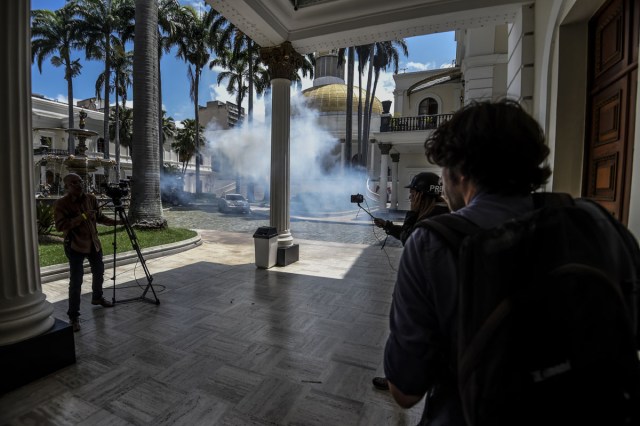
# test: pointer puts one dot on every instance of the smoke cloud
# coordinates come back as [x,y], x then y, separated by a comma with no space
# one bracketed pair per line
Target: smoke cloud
[318,181]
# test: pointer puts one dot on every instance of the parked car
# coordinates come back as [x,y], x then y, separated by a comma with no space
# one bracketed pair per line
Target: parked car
[233,203]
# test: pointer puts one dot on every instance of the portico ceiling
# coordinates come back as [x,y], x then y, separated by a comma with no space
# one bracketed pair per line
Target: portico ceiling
[318,25]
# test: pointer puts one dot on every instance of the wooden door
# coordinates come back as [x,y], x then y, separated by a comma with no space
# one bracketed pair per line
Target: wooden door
[613,63]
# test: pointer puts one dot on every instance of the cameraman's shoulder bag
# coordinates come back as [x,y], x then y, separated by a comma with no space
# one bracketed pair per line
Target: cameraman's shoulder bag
[547,317]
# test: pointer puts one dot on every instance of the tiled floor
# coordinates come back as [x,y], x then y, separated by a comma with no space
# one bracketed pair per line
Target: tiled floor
[229,344]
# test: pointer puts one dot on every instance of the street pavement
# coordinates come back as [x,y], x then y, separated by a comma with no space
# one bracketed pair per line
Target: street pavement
[355,226]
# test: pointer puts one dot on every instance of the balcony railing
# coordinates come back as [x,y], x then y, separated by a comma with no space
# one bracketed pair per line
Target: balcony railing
[407,124]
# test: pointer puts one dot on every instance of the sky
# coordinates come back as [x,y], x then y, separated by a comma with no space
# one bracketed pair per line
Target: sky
[425,53]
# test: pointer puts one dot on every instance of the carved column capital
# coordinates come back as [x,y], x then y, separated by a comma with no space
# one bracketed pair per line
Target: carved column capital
[283,61]
[385,148]
[395,157]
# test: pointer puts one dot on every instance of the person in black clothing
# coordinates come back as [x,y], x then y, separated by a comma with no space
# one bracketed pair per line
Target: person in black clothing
[425,195]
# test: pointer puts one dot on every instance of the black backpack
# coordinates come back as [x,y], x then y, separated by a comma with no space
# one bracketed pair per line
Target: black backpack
[547,317]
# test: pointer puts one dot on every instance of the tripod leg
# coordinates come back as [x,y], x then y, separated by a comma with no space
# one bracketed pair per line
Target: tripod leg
[115,250]
[134,243]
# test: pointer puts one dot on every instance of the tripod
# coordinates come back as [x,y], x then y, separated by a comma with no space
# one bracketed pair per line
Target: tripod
[120,212]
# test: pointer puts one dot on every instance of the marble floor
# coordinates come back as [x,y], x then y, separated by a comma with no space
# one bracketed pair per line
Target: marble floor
[229,344]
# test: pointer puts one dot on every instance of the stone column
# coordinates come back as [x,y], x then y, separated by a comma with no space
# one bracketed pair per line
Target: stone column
[283,61]
[25,315]
[384,165]
[372,158]
[395,159]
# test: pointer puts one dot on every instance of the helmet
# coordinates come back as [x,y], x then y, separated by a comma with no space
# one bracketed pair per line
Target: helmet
[427,183]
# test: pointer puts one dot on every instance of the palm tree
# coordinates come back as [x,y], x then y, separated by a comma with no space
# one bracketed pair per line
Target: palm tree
[146,205]
[236,73]
[55,32]
[122,65]
[196,36]
[383,55]
[306,70]
[349,113]
[363,53]
[125,125]
[234,46]
[185,145]
[100,21]
[169,129]
[168,11]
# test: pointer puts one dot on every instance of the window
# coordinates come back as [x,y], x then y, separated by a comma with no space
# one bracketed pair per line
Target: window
[428,106]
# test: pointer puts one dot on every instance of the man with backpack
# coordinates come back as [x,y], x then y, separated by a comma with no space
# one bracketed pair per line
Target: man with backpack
[517,308]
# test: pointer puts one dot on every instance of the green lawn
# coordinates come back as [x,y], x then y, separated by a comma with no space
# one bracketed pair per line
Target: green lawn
[53,253]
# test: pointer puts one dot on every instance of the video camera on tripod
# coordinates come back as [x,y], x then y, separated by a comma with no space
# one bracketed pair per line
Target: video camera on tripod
[116,191]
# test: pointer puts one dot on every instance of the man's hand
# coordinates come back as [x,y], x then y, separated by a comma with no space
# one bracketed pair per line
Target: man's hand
[380,223]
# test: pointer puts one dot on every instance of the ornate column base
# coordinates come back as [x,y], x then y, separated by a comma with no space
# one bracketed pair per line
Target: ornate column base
[28,360]
[288,255]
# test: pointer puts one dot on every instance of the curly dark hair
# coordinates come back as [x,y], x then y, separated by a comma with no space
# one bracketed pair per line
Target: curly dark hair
[497,145]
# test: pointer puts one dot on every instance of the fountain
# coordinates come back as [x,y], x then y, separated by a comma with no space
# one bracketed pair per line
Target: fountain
[80,163]
[84,163]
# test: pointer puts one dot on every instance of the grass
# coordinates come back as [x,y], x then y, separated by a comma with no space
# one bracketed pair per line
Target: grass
[53,253]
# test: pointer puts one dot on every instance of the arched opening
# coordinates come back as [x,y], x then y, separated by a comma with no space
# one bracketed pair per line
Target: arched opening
[428,106]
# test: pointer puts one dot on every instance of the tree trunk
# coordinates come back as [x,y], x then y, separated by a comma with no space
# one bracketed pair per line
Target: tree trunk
[250,100]
[373,96]
[160,123]
[117,134]
[146,207]
[197,132]
[365,129]
[70,139]
[360,115]
[349,113]
[107,89]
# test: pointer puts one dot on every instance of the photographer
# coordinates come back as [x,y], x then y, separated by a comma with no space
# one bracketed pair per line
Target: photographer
[76,215]
[425,195]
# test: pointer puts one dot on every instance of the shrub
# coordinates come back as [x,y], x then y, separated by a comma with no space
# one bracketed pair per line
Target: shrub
[44,218]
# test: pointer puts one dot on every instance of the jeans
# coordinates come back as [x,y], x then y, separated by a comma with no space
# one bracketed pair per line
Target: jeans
[76,273]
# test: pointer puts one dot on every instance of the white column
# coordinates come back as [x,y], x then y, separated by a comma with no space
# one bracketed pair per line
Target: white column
[384,165]
[283,61]
[24,312]
[484,65]
[520,68]
[395,159]
[372,157]
[280,161]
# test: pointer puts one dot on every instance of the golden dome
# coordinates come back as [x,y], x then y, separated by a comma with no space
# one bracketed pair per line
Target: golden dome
[333,98]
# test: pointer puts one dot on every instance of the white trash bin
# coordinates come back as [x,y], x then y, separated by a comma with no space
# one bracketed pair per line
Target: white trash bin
[266,243]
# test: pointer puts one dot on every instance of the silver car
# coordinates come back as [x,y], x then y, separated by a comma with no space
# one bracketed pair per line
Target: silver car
[233,203]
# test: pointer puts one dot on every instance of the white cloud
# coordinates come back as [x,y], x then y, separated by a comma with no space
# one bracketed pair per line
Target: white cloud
[64,99]
[218,69]
[448,65]
[418,66]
